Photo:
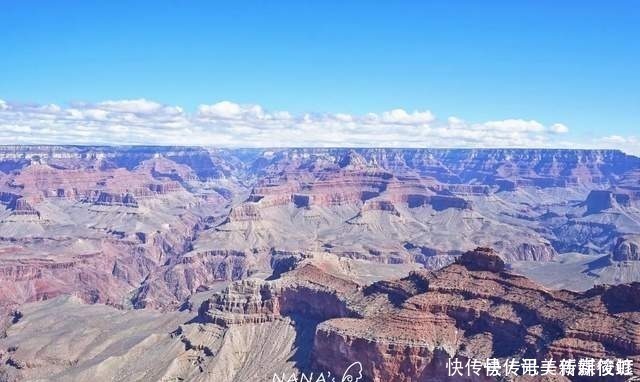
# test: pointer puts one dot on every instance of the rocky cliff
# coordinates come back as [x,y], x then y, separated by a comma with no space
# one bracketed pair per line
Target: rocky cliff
[627,249]
[406,329]
[166,222]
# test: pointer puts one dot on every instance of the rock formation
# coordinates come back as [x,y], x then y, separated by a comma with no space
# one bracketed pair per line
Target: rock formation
[627,249]
[407,329]
[150,226]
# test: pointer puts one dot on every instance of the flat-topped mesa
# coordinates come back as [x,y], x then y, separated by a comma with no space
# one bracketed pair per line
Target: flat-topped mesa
[600,200]
[380,205]
[17,205]
[327,189]
[421,198]
[356,187]
[475,189]
[482,259]
[163,188]
[23,208]
[247,301]
[244,212]
[162,168]
[272,188]
[98,194]
[98,185]
[443,202]
[305,292]
[111,199]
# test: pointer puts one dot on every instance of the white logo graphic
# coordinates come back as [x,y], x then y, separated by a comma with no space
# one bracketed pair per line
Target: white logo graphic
[353,373]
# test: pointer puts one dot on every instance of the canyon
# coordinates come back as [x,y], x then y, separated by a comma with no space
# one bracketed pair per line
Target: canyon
[214,263]
[321,317]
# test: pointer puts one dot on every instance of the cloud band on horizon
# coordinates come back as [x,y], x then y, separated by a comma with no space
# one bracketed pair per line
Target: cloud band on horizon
[228,124]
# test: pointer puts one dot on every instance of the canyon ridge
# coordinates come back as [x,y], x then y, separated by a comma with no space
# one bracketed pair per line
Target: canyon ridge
[143,263]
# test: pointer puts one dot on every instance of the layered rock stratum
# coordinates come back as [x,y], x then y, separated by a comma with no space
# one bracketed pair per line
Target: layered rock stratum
[322,316]
[318,245]
[149,226]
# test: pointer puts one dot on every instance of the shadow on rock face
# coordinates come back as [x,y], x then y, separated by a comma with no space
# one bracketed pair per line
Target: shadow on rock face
[303,344]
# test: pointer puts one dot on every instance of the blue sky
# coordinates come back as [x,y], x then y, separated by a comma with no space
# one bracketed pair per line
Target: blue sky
[572,63]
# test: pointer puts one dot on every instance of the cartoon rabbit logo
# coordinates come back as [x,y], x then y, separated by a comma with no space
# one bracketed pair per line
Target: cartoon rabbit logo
[353,373]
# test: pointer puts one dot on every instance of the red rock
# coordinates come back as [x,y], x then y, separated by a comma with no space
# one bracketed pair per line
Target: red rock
[407,329]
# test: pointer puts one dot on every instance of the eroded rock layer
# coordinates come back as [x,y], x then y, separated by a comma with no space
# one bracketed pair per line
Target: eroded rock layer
[150,226]
[405,330]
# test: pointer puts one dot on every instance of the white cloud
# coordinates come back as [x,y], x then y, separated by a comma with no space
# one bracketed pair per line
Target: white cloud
[630,144]
[454,121]
[131,106]
[401,116]
[224,109]
[559,128]
[230,124]
[515,125]
[615,139]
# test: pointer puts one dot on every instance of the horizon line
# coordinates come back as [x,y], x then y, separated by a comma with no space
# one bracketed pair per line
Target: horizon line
[134,145]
